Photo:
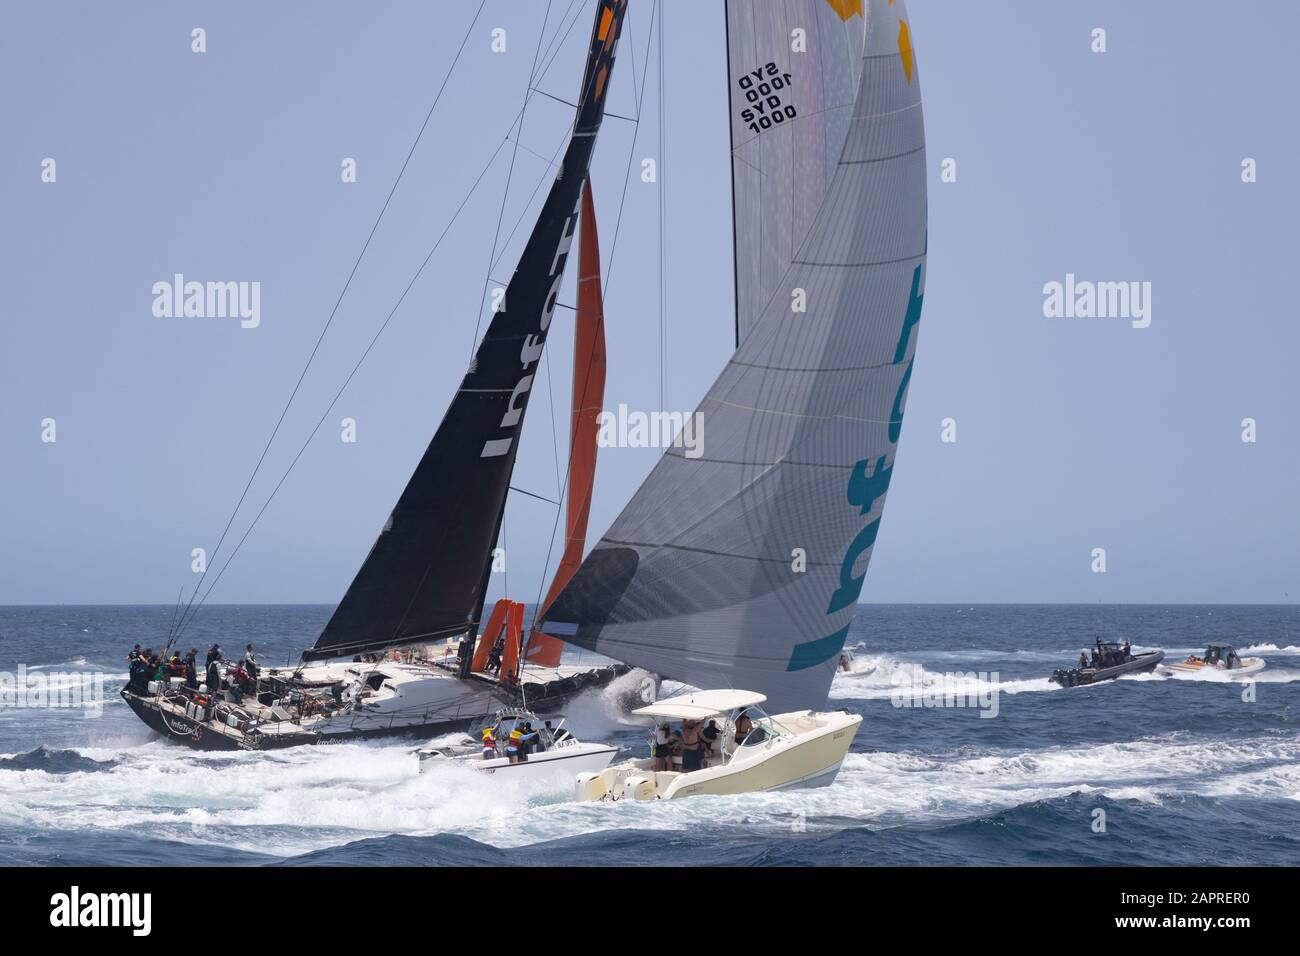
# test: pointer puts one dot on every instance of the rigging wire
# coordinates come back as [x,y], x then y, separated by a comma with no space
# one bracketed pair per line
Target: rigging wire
[510,175]
[333,312]
[553,50]
[611,259]
[555,435]
[505,246]
[180,596]
[532,494]
[347,381]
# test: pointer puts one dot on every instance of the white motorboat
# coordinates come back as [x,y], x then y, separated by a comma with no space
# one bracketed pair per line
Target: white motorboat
[802,748]
[848,663]
[1219,660]
[542,752]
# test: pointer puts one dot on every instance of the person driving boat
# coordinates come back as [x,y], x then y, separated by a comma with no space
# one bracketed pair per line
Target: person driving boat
[743,727]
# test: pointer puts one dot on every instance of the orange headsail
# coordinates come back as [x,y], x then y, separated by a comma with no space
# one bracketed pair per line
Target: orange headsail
[588,400]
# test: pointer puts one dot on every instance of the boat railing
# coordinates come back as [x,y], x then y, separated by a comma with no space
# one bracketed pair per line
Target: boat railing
[445,714]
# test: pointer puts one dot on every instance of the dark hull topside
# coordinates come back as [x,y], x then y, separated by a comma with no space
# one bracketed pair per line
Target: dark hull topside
[201,737]
[1079,677]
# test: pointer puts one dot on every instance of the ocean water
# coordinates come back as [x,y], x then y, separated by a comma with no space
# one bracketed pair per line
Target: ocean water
[1183,770]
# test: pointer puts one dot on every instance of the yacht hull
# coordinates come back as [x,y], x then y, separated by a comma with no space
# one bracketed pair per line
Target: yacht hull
[463,704]
[209,735]
[179,729]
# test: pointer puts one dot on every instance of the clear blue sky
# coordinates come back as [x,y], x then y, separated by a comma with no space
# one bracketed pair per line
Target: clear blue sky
[1072,434]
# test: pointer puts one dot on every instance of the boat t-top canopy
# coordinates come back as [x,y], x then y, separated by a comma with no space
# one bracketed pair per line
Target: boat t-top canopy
[701,705]
[1220,647]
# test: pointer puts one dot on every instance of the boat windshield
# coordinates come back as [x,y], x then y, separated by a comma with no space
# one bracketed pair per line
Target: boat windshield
[761,727]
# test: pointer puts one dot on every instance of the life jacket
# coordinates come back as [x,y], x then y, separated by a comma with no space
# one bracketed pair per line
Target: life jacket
[489,742]
[515,740]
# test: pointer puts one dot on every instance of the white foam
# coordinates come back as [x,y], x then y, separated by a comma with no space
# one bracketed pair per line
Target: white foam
[599,712]
[292,801]
[881,677]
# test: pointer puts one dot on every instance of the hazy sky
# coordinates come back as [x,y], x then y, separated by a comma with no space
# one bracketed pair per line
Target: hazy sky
[1072,434]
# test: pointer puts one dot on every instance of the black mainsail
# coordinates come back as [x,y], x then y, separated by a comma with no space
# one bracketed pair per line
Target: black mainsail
[426,572]
[741,567]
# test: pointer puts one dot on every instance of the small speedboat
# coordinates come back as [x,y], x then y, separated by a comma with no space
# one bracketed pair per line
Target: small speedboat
[1218,659]
[754,751]
[518,746]
[848,663]
[1111,660]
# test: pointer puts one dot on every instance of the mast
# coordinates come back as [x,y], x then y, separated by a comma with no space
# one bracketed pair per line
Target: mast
[424,577]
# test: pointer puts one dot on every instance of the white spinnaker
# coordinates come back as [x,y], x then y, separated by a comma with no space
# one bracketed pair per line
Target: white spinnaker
[780,173]
[742,567]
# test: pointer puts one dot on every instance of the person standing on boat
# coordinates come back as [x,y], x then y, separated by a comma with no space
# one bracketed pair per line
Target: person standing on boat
[494,656]
[250,662]
[530,739]
[663,747]
[139,674]
[489,744]
[191,669]
[515,743]
[692,753]
[710,735]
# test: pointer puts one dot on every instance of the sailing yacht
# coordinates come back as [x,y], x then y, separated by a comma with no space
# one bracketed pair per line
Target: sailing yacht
[403,653]
[741,565]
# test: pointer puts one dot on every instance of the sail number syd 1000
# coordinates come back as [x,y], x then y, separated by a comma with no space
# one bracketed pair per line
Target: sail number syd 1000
[766,108]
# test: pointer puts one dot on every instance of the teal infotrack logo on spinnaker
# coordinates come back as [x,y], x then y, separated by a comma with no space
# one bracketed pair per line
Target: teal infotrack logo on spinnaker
[867,483]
